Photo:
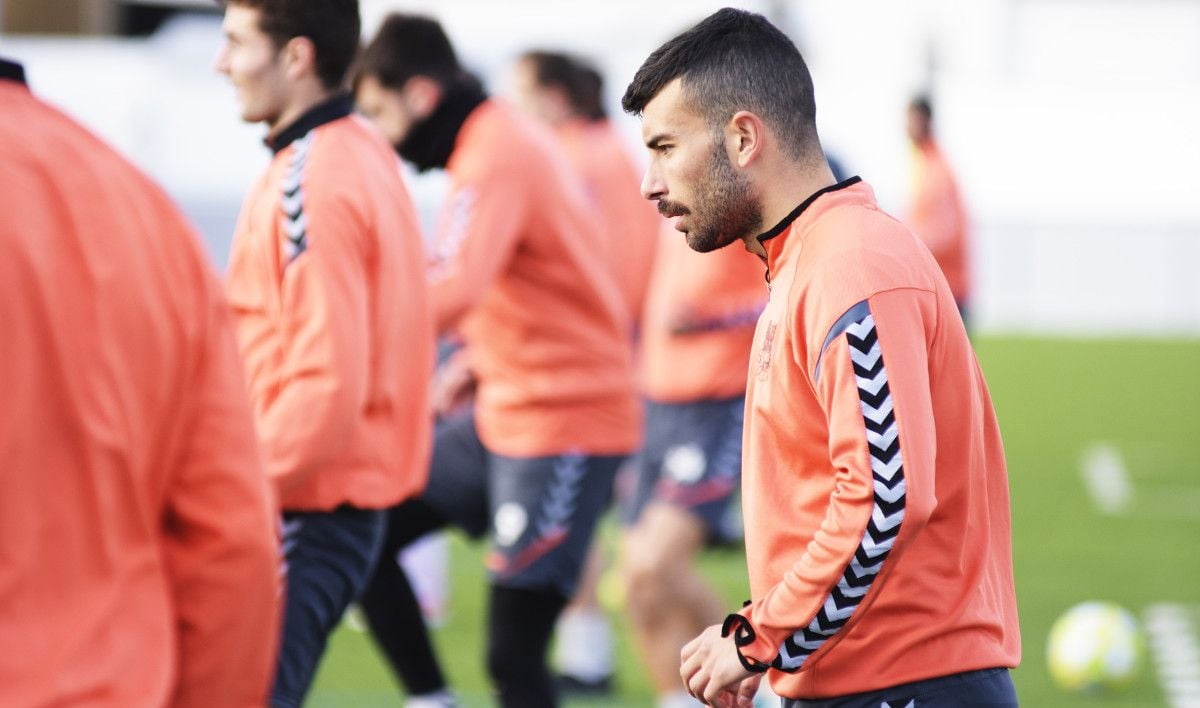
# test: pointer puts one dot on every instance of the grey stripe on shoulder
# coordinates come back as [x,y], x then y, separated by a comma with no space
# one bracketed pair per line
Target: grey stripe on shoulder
[854,314]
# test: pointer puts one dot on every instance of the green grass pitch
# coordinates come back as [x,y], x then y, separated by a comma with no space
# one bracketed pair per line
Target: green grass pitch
[1054,398]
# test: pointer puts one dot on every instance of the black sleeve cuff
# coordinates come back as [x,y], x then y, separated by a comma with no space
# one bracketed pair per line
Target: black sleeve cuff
[743,635]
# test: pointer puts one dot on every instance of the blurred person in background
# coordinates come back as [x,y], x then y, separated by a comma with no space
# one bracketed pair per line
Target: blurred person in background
[326,283]
[694,353]
[140,565]
[518,269]
[567,94]
[936,213]
[874,486]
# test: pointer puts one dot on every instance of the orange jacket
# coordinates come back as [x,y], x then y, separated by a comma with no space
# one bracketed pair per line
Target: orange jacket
[874,485]
[937,216]
[699,321]
[518,267]
[326,281]
[630,224]
[138,564]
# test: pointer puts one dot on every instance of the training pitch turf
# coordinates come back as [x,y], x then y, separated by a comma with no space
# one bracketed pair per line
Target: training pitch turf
[1058,401]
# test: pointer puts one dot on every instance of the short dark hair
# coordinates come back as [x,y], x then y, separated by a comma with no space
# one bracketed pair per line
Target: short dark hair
[735,60]
[591,93]
[406,46]
[582,83]
[333,26]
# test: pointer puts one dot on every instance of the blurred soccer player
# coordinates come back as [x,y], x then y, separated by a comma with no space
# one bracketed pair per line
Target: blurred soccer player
[873,481]
[139,555]
[936,213]
[567,94]
[515,268]
[327,286]
[695,349]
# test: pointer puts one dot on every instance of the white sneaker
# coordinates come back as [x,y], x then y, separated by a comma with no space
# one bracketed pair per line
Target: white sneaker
[439,699]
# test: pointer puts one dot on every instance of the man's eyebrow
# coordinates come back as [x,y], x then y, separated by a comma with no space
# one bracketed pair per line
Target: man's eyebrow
[654,142]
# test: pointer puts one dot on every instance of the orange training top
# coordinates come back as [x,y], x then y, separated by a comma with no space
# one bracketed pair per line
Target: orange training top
[699,321]
[629,222]
[327,285]
[937,216]
[875,492]
[138,562]
[517,266]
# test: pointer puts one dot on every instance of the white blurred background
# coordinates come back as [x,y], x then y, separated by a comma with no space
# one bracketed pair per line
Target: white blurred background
[1073,124]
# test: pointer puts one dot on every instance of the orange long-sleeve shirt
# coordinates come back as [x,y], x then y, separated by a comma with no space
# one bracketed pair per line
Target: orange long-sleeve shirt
[874,485]
[138,564]
[629,222]
[699,322]
[327,285]
[518,267]
[937,216]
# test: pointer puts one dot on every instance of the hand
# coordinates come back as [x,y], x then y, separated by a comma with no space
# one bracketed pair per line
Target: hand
[747,690]
[713,674]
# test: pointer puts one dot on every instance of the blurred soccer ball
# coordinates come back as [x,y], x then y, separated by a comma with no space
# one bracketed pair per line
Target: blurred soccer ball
[1095,647]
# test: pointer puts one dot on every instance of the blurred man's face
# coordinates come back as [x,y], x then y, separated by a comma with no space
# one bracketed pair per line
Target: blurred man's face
[387,108]
[546,104]
[691,176]
[254,66]
[917,126]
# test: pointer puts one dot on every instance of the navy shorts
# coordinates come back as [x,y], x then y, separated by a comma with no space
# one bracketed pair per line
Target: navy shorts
[985,688]
[539,513]
[692,459]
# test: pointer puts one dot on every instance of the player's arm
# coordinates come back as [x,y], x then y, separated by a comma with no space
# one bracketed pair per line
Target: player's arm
[325,337]
[220,547]
[479,230]
[872,380]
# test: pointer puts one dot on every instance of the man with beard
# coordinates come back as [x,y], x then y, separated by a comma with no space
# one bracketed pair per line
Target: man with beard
[326,284]
[874,486]
[514,270]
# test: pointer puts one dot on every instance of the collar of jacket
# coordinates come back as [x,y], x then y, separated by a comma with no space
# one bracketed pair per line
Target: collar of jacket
[11,71]
[327,111]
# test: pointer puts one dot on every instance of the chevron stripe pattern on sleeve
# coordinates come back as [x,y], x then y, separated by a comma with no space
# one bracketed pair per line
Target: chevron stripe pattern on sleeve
[887,469]
[295,226]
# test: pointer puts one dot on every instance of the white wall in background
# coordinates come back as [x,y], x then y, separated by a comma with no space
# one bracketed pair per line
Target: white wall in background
[1072,124]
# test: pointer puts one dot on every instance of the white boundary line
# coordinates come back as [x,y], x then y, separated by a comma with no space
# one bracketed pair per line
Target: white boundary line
[1175,652]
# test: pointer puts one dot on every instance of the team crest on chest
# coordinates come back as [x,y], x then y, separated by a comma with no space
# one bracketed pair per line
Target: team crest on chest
[764,352]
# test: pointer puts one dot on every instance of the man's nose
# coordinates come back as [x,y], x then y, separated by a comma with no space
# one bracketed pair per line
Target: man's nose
[652,188]
[221,60]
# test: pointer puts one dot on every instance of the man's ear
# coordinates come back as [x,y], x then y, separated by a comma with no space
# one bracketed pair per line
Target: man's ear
[745,137]
[422,95]
[299,58]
